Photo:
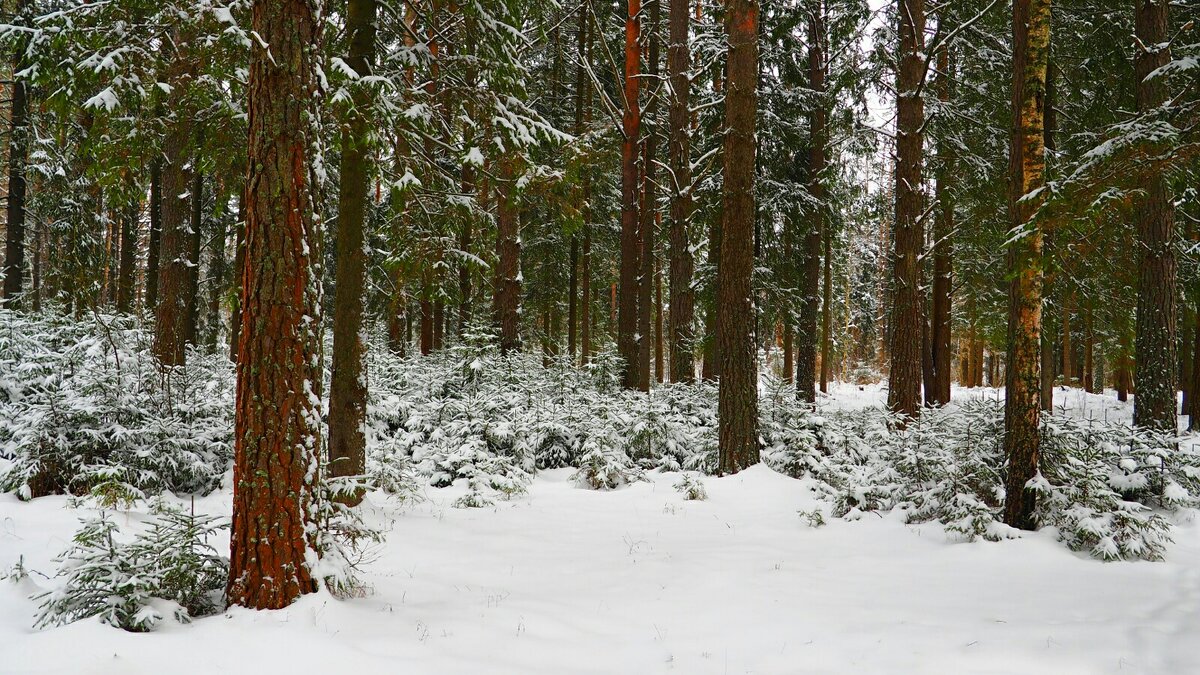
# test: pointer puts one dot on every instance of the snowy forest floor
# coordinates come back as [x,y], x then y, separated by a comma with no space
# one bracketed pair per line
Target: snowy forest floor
[567,580]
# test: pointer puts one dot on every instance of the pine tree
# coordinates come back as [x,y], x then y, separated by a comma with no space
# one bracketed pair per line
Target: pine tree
[907,317]
[1155,345]
[738,393]
[627,319]
[277,431]
[348,384]
[1031,55]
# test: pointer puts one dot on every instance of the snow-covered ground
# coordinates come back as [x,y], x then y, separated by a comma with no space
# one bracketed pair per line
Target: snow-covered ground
[565,580]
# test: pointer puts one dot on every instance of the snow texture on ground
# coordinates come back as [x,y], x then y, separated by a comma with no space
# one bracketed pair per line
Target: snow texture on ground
[565,580]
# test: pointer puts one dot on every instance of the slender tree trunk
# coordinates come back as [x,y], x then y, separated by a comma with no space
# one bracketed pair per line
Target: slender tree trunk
[659,364]
[943,250]
[14,244]
[426,313]
[738,393]
[154,245]
[1089,349]
[348,384]
[1154,377]
[239,262]
[127,271]
[1031,39]
[507,298]
[682,265]
[806,332]
[39,247]
[627,320]
[277,435]
[216,282]
[711,368]
[585,310]
[826,309]
[1193,410]
[195,228]
[649,208]
[904,377]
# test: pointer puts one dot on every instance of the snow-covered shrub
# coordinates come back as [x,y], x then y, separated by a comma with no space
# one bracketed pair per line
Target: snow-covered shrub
[1100,485]
[604,466]
[344,540]
[86,408]
[692,488]
[167,570]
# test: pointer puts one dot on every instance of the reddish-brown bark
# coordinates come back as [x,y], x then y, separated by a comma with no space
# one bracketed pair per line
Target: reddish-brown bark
[627,312]
[738,393]
[277,423]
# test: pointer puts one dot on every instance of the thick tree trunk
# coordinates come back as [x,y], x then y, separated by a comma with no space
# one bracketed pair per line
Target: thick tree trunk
[507,298]
[738,393]
[1031,39]
[348,383]
[627,319]
[943,251]
[904,377]
[14,244]
[277,431]
[682,265]
[1154,377]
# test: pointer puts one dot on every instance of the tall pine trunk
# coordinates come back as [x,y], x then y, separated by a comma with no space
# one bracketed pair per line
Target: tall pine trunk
[507,294]
[737,405]
[154,240]
[627,310]
[682,266]
[14,244]
[904,377]
[277,438]
[175,244]
[348,384]
[128,262]
[649,208]
[1154,347]
[1031,55]
[943,251]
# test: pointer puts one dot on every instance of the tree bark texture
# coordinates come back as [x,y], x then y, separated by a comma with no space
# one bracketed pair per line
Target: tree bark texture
[904,377]
[627,310]
[738,392]
[277,423]
[348,383]
[1154,346]
[1031,40]
[682,265]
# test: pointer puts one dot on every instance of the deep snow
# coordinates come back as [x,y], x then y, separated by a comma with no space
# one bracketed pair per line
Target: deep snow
[565,580]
